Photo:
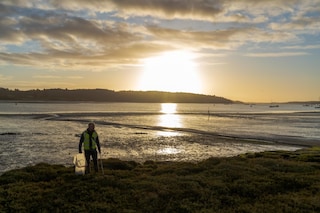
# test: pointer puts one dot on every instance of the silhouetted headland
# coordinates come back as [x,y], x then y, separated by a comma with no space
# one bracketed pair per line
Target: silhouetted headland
[104,95]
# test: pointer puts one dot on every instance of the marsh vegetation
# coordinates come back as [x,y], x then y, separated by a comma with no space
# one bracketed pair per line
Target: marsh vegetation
[274,181]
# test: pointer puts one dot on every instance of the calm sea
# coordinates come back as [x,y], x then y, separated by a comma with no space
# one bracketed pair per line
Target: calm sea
[49,132]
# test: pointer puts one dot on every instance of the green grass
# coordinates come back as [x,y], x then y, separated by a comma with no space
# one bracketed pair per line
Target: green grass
[277,181]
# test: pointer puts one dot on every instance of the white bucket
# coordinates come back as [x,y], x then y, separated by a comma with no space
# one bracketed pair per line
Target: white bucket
[80,163]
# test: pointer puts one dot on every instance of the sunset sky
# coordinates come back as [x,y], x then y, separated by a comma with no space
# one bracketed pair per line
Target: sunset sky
[246,50]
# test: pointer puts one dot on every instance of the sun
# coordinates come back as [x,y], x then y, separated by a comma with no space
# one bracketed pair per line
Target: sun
[173,71]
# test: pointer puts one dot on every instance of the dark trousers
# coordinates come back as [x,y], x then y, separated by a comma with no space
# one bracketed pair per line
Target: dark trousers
[94,155]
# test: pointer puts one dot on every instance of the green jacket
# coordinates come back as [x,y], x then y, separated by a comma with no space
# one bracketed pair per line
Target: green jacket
[89,144]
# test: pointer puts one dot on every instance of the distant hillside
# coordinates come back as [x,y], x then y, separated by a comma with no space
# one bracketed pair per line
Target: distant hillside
[103,95]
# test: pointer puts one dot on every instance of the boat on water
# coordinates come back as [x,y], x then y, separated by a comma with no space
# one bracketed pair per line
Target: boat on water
[274,105]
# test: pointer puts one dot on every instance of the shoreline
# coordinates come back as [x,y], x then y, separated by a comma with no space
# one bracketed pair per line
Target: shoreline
[301,149]
[223,147]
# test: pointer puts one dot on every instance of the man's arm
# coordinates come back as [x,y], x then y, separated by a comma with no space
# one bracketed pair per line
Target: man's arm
[80,143]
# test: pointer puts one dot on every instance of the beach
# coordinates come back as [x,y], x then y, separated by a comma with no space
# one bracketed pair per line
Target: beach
[49,132]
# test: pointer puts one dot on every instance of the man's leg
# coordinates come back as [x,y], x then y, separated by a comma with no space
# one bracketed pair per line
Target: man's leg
[95,160]
[87,155]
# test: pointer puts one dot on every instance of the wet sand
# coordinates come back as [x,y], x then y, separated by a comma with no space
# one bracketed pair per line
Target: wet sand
[34,139]
[192,147]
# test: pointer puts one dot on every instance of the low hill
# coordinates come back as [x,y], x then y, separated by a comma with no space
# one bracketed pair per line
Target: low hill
[104,95]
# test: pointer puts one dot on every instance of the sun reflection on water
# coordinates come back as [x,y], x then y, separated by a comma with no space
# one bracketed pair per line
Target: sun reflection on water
[169,119]
[168,151]
[168,108]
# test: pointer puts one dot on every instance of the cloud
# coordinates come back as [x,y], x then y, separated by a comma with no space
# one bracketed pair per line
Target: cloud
[298,24]
[208,10]
[46,76]
[130,54]
[78,34]
[5,78]
[228,39]
[276,54]
[167,9]
[74,77]
[305,47]
[56,77]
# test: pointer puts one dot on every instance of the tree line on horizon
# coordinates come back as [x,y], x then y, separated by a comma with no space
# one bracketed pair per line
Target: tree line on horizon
[105,95]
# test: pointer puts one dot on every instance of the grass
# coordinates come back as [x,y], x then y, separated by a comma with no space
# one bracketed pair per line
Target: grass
[275,181]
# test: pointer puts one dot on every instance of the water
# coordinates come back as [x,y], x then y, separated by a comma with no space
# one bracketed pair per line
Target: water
[48,132]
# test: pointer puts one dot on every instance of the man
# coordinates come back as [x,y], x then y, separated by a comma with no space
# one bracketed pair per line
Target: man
[90,140]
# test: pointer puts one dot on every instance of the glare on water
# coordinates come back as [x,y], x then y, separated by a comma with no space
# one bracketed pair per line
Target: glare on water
[169,119]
